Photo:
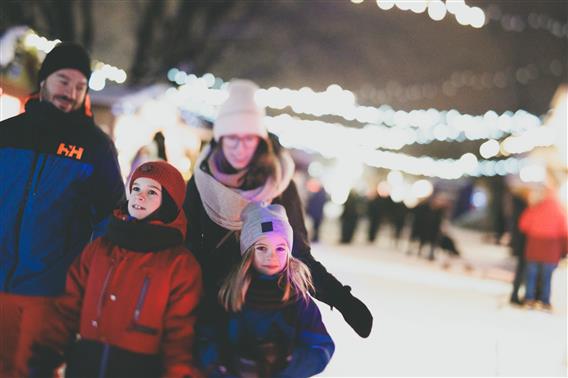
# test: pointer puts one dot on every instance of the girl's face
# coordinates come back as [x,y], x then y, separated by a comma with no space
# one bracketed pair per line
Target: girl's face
[270,254]
[145,197]
[239,149]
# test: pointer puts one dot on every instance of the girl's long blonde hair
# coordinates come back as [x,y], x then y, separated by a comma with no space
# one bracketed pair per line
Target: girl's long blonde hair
[295,279]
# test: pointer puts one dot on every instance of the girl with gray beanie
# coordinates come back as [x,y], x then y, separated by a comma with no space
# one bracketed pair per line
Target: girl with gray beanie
[271,326]
[244,164]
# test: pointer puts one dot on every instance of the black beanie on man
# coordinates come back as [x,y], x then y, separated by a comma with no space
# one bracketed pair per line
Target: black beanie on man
[65,55]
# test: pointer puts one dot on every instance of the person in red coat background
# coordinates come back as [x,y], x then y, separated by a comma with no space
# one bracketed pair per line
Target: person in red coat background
[546,229]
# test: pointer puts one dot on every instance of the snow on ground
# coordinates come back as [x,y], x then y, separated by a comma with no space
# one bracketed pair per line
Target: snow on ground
[450,317]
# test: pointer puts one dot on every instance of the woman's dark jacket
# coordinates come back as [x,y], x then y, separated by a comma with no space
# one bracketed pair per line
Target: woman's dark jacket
[217,250]
[218,257]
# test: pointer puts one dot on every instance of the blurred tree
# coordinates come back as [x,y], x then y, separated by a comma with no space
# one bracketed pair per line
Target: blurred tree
[54,19]
[188,34]
[192,32]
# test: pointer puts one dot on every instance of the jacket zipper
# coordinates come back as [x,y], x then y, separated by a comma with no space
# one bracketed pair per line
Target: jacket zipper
[106,349]
[42,166]
[12,270]
[141,298]
[104,361]
[103,291]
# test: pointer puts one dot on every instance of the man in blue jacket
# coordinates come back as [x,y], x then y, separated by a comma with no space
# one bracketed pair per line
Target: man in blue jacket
[59,179]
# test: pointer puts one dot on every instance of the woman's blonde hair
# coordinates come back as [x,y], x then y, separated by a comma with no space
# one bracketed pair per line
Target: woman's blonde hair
[295,280]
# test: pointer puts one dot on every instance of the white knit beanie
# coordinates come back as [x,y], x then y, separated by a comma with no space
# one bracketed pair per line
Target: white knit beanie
[259,220]
[240,114]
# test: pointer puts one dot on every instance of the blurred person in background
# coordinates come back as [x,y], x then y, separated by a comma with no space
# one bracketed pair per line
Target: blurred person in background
[59,179]
[518,240]
[427,226]
[314,207]
[243,164]
[350,217]
[153,151]
[376,210]
[497,208]
[435,226]
[398,212]
[420,214]
[545,226]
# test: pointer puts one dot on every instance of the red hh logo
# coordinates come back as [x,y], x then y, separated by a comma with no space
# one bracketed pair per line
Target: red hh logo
[70,150]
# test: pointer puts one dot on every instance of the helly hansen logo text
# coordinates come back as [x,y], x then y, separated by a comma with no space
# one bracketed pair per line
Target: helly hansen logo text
[70,150]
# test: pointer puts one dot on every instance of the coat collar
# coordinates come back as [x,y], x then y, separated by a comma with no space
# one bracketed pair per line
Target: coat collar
[142,236]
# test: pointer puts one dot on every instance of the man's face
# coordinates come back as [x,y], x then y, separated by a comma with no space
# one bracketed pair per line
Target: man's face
[65,88]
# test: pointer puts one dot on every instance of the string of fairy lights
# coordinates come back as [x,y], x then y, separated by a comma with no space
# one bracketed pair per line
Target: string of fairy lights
[393,91]
[383,128]
[519,132]
[472,16]
[101,71]
[391,129]
[477,17]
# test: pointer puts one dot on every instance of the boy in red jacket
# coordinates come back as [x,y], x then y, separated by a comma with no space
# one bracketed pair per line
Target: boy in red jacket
[546,230]
[131,295]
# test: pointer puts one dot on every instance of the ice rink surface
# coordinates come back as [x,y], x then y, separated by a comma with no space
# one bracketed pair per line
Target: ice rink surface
[450,317]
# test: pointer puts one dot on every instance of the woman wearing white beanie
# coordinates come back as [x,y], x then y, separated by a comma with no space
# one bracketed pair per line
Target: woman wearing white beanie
[243,164]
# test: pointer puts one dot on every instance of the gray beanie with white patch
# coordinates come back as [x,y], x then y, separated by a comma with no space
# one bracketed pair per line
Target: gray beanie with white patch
[259,220]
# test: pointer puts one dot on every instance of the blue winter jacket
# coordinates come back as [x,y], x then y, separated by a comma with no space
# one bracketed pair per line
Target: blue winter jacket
[296,330]
[59,178]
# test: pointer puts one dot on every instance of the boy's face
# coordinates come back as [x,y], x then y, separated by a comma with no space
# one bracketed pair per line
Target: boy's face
[65,88]
[145,197]
[270,254]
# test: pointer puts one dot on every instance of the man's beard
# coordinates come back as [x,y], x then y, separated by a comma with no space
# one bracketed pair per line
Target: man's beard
[45,95]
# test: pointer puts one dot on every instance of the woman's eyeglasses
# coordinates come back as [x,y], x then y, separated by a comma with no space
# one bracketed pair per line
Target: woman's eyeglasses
[248,141]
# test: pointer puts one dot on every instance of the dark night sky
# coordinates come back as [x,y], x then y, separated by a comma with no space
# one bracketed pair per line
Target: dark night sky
[389,57]
[362,47]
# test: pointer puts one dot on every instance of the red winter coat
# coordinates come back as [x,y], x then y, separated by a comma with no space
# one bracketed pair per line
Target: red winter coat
[142,303]
[546,229]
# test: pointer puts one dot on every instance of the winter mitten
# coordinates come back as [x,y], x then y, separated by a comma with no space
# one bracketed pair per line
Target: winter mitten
[44,361]
[355,313]
[217,371]
[247,368]
[271,358]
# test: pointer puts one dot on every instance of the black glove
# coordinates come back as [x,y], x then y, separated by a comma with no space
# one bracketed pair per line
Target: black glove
[355,313]
[44,361]
[272,357]
[217,371]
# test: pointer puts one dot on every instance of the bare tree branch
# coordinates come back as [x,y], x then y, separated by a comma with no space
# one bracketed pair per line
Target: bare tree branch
[142,61]
[87,16]
[63,14]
